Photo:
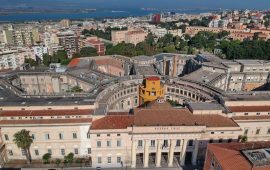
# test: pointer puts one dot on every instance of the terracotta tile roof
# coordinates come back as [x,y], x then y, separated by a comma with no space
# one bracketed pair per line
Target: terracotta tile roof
[109,61]
[250,108]
[74,62]
[179,117]
[15,113]
[46,121]
[112,122]
[263,117]
[158,117]
[118,113]
[153,78]
[215,121]
[230,157]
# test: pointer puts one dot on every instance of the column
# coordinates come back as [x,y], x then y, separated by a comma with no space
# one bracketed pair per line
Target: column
[158,154]
[195,153]
[183,152]
[171,152]
[133,154]
[146,154]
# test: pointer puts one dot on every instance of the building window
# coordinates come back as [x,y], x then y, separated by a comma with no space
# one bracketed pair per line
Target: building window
[246,114]
[108,134]
[89,150]
[212,132]
[98,144]
[108,143]
[211,141]
[98,135]
[99,160]
[6,137]
[109,159]
[258,131]
[140,144]
[246,132]
[61,136]
[10,152]
[153,143]
[50,151]
[118,143]
[33,137]
[220,141]
[76,151]
[229,140]
[47,136]
[258,113]
[268,131]
[74,135]
[23,152]
[63,152]
[165,143]
[36,152]
[118,159]
[88,135]
[118,134]
[190,143]
[178,142]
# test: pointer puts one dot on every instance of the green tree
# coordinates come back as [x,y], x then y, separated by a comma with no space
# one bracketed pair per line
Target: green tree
[69,158]
[23,140]
[86,52]
[169,49]
[150,39]
[31,61]
[46,158]
[76,89]
[58,162]
[242,138]
[223,34]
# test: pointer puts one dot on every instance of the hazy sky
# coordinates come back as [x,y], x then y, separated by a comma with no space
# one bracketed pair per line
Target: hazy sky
[252,4]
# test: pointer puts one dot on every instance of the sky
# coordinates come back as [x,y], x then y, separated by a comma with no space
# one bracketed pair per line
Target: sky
[129,4]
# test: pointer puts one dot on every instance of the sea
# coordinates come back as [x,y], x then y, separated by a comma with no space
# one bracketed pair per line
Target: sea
[99,14]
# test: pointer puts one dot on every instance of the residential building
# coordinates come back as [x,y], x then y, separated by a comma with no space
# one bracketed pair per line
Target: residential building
[94,42]
[132,36]
[40,50]
[65,23]
[68,40]
[237,156]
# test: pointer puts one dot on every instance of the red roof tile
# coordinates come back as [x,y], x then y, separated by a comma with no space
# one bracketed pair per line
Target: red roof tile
[112,122]
[250,108]
[46,121]
[24,113]
[263,117]
[230,157]
[74,62]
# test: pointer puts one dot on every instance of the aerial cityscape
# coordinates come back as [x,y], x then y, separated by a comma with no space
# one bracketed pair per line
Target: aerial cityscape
[135,85]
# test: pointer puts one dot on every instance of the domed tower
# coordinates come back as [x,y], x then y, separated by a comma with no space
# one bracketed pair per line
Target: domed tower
[151,89]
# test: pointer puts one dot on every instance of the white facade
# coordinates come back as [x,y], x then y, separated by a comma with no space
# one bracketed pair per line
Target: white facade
[39,51]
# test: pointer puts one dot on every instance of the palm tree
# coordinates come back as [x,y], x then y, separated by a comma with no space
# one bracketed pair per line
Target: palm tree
[23,140]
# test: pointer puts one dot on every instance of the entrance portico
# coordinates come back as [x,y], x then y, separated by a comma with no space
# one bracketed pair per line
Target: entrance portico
[165,153]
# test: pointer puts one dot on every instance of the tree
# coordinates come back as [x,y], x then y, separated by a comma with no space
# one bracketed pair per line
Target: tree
[30,61]
[46,158]
[223,34]
[150,39]
[23,140]
[76,89]
[69,158]
[58,162]
[169,49]
[86,52]
[242,138]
